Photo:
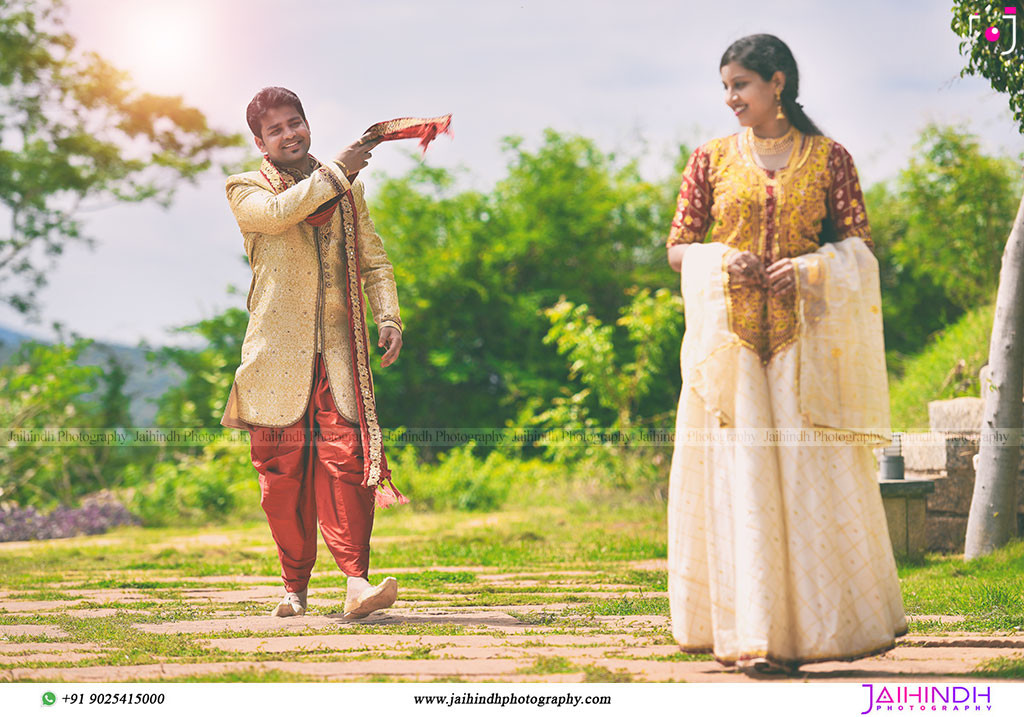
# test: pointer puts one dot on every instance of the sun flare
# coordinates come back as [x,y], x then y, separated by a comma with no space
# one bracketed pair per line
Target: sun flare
[161,43]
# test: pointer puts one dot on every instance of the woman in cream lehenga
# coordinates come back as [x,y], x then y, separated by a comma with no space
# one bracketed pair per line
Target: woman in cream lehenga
[779,553]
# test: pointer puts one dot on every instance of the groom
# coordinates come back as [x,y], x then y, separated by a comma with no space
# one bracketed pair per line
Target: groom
[303,389]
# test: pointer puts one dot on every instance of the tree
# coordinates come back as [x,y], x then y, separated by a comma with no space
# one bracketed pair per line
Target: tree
[56,439]
[614,378]
[475,271]
[992,521]
[938,231]
[198,401]
[73,130]
[958,204]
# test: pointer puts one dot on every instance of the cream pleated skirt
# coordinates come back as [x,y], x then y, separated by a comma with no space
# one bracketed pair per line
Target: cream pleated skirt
[778,551]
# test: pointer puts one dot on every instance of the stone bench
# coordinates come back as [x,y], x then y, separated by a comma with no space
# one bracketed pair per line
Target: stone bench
[905,503]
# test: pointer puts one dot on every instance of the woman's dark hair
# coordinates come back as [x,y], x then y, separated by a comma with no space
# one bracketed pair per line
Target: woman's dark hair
[766,55]
[266,99]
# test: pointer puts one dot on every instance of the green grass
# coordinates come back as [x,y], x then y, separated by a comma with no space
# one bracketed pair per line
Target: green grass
[684,657]
[933,375]
[596,673]
[1007,667]
[42,595]
[988,592]
[560,551]
[550,666]
[251,674]
[627,606]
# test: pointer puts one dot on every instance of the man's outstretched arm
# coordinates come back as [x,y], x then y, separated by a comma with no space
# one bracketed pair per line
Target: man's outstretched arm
[258,209]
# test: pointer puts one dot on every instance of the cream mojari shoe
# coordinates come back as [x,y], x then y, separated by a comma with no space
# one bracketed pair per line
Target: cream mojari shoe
[291,605]
[372,599]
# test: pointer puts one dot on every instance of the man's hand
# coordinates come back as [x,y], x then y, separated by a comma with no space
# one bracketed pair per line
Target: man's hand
[782,277]
[390,340]
[355,157]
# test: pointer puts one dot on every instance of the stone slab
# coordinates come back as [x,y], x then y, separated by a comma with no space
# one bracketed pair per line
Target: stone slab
[70,656]
[6,648]
[37,630]
[896,520]
[956,414]
[923,453]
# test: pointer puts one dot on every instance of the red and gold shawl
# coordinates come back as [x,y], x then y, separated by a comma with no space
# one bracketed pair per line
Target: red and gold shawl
[409,128]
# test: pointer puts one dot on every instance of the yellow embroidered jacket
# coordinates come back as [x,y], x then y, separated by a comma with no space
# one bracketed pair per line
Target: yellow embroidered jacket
[774,214]
[296,302]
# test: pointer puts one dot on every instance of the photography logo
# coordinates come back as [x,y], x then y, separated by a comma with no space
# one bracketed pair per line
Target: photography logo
[944,698]
[993,34]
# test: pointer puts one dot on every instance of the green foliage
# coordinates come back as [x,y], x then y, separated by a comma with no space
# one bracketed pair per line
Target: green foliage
[75,129]
[948,367]
[475,270]
[913,306]
[462,481]
[616,381]
[1004,72]
[652,322]
[44,401]
[198,401]
[217,486]
[939,229]
[959,207]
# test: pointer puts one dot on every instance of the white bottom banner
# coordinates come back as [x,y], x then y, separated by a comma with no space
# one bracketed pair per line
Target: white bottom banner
[766,699]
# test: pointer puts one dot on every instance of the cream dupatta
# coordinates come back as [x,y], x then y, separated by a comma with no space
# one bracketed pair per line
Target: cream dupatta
[843,383]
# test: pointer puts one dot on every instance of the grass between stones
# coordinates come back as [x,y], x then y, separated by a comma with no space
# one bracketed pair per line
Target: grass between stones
[250,674]
[550,666]
[576,558]
[1006,667]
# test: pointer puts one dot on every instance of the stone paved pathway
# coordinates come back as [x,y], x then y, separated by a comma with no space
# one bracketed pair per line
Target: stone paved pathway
[452,623]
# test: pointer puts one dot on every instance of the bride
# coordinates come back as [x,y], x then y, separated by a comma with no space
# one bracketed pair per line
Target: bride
[779,553]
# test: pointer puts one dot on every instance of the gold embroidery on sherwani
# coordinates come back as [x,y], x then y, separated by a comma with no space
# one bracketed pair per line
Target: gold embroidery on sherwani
[289,300]
[328,247]
[359,335]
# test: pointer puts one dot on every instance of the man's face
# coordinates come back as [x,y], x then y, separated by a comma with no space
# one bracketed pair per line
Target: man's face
[285,137]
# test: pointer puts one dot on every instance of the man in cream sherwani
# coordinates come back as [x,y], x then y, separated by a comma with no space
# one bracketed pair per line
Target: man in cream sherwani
[303,389]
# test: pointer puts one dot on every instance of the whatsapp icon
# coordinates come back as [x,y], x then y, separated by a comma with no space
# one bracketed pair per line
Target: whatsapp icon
[49,698]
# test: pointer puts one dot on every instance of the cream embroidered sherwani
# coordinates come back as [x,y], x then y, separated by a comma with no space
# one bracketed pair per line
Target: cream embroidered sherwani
[296,301]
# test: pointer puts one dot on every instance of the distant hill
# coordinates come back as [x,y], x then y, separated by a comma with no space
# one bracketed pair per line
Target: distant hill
[144,385]
[9,342]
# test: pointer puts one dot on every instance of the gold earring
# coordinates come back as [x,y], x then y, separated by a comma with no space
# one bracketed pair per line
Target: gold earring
[778,98]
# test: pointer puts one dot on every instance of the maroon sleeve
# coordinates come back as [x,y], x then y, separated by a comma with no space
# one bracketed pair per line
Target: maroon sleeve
[693,207]
[845,199]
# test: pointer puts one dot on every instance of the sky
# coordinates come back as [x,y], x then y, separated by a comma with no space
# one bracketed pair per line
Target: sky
[638,76]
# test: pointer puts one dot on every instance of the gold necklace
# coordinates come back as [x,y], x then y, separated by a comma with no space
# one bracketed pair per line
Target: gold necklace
[772,145]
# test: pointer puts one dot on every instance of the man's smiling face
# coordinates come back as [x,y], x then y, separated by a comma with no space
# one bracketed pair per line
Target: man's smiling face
[285,137]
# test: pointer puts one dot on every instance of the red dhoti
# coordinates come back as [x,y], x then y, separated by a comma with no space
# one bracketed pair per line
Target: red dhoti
[309,470]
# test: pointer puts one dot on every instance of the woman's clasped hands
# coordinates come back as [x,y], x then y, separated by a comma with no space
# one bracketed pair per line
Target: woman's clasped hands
[747,269]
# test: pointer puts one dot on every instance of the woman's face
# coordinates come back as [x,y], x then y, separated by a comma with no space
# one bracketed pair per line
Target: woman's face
[750,98]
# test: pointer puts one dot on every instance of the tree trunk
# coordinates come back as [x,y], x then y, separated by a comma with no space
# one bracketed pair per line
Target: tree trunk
[993,519]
